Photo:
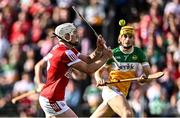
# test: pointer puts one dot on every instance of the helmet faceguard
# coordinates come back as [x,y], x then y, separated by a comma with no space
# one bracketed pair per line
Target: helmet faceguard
[62,30]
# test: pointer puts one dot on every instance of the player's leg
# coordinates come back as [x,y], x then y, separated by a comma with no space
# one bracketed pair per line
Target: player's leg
[69,113]
[103,110]
[55,109]
[120,106]
[117,101]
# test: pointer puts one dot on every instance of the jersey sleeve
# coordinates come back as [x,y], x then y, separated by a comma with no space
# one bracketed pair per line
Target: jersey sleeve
[143,58]
[110,61]
[47,57]
[75,51]
[70,57]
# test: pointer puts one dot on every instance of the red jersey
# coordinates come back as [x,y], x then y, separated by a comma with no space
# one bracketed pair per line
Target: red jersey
[59,61]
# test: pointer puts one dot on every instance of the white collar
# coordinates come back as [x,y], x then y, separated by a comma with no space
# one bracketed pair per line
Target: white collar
[125,52]
[61,43]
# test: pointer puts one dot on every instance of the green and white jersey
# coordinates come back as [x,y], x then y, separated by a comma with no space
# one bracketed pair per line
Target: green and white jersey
[130,66]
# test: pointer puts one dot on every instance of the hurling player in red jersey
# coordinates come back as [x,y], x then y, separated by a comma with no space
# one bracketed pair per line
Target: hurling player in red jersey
[60,61]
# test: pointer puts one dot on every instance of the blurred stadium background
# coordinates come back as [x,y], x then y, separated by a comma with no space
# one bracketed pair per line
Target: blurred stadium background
[26,28]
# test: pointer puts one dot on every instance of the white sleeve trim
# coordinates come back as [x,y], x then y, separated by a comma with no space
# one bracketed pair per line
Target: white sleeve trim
[72,56]
[145,64]
[78,54]
[76,61]
[47,57]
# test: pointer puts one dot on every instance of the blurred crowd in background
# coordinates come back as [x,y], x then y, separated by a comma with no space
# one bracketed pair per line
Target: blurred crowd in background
[26,28]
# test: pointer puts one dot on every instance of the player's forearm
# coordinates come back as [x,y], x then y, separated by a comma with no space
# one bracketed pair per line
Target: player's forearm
[147,70]
[38,74]
[95,55]
[92,57]
[38,71]
[93,67]
[97,75]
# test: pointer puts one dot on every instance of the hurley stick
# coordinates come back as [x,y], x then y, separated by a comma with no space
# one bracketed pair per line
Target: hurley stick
[149,78]
[15,99]
[93,31]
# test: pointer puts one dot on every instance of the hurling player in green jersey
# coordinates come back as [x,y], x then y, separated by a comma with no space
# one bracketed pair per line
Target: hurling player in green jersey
[132,63]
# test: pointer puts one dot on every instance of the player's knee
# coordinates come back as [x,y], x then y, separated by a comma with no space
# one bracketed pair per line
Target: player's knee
[128,113]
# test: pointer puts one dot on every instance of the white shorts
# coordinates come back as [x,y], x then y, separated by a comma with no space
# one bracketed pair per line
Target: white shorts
[109,93]
[52,108]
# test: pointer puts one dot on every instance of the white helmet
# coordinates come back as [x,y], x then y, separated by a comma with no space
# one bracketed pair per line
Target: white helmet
[63,29]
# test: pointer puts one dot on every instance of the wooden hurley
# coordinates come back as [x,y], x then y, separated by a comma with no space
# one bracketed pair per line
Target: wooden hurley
[95,33]
[150,77]
[15,99]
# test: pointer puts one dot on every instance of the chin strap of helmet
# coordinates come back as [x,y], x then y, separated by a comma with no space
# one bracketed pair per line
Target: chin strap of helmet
[55,35]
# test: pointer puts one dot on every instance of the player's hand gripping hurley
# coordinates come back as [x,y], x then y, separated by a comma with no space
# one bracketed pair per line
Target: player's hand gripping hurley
[93,31]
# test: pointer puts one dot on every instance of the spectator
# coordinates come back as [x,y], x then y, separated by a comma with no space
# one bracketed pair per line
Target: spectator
[4,44]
